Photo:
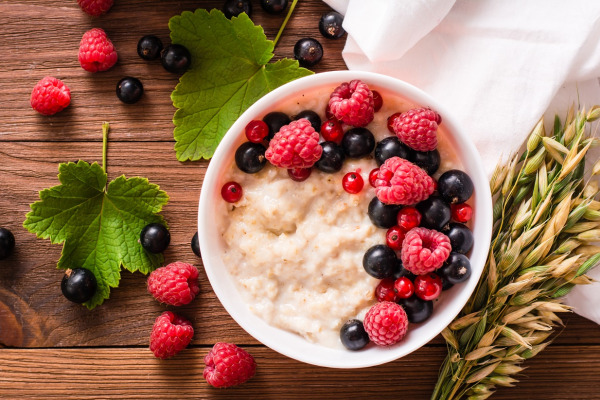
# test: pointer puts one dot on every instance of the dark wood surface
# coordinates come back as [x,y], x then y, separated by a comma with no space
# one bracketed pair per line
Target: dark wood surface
[50,348]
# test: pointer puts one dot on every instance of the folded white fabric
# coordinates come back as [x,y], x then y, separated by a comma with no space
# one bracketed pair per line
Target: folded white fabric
[496,65]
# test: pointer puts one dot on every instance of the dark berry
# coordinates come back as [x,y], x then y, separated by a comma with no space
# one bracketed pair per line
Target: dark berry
[256,131]
[385,290]
[408,218]
[250,157]
[275,120]
[455,186]
[308,52]
[155,238]
[456,269]
[312,117]
[78,285]
[417,310]
[352,182]
[196,244]
[383,215]
[332,158]
[392,147]
[461,212]
[231,192]
[149,47]
[435,213]
[428,287]
[330,25]
[358,142]
[353,335]
[390,122]
[377,101]
[7,243]
[233,8]
[274,6]
[445,282]
[461,237]
[332,130]
[428,160]
[176,58]
[380,261]
[404,288]
[373,176]
[401,272]
[394,238]
[130,90]
[299,174]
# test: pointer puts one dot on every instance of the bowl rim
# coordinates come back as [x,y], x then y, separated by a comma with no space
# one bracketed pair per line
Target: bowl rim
[482,224]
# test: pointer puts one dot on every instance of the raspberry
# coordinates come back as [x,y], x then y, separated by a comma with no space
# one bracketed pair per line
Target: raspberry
[170,334]
[424,250]
[417,128]
[176,284]
[352,103]
[228,365]
[95,7]
[50,95]
[295,146]
[96,51]
[401,182]
[386,323]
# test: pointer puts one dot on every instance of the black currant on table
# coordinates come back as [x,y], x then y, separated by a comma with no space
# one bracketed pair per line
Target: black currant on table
[383,215]
[275,120]
[353,335]
[176,58]
[196,244]
[7,243]
[78,285]
[380,261]
[417,310]
[155,238]
[358,142]
[390,147]
[332,158]
[250,157]
[330,25]
[455,186]
[149,47]
[130,90]
[435,213]
[274,6]
[308,52]
[233,8]
[312,117]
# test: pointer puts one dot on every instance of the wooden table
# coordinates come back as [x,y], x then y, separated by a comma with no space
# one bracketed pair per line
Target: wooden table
[51,348]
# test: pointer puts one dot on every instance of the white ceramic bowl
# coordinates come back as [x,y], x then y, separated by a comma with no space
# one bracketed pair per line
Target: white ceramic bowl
[293,345]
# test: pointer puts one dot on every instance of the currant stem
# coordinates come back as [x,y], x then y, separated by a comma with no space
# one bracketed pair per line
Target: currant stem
[285,21]
[105,129]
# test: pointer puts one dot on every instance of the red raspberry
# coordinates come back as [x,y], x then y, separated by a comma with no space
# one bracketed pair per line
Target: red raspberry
[386,323]
[49,96]
[170,334]
[424,250]
[175,284]
[96,51]
[228,365]
[417,128]
[295,146]
[352,103]
[401,182]
[95,7]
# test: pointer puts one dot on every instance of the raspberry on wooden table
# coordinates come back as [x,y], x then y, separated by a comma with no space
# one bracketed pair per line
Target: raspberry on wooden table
[228,365]
[170,334]
[417,128]
[296,145]
[352,103]
[95,7]
[50,95]
[386,323]
[401,182]
[175,284]
[424,250]
[96,51]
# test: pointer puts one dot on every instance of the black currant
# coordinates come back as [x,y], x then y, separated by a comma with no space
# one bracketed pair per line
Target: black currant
[353,335]
[233,8]
[461,237]
[7,243]
[129,90]
[330,25]
[358,142]
[417,310]
[455,186]
[250,157]
[78,285]
[401,272]
[176,58]
[155,238]
[275,120]
[312,117]
[308,52]
[435,213]
[196,245]
[456,269]
[428,160]
[332,158]
[383,215]
[149,47]
[445,282]
[380,261]
[392,147]
[274,6]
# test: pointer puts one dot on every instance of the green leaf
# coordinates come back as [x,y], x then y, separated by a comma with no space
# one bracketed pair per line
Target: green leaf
[230,70]
[99,225]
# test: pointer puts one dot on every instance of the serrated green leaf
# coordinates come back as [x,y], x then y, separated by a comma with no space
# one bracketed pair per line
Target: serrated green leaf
[230,70]
[99,225]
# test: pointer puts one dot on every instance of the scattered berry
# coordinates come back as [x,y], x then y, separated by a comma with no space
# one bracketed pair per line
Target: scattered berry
[295,146]
[392,147]
[428,287]
[417,310]
[228,365]
[170,334]
[435,213]
[380,261]
[330,25]
[176,58]
[385,290]
[155,238]
[274,6]
[231,192]
[233,8]
[455,186]
[358,142]
[299,174]
[332,130]
[408,218]
[149,47]
[386,323]
[401,182]
[96,51]
[391,121]
[78,285]
[461,237]
[95,8]
[424,250]
[49,96]
[428,160]
[417,128]
[196,244]
[377,101]
[332,158]
[275,121]
[402,272]
[404,288]
[308,52]
[461,212]
[353,335]
[352,103]
[312,117]
[353,183]
[373,176]
[394,238]
[129,90]
[7,243]
[456,269]
[256,131]
[250,157]
[175,284]
[382,215]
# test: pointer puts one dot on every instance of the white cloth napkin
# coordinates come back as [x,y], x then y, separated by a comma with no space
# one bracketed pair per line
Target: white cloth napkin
[497,65]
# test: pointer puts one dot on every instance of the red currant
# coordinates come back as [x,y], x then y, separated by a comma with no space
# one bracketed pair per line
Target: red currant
[231,192]
[377,101]
[390,122]
[461,212]
[385,290]
[256,131]
[434,185]
[373,176]
[332,131]
[428,287]
[394,238]
[328,113]
[438,118]
[299,174]
[353,182]
[404,288]
[408,218]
